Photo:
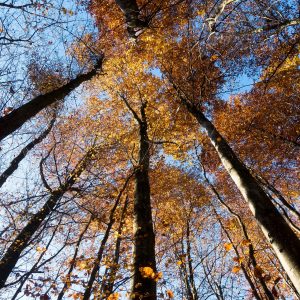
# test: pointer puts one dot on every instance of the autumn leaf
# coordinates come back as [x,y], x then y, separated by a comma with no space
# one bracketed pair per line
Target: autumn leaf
[201,12]
[245,243]
[228,246]
[148,272]
[114,296]
[41,249]
[170,294]
[236,269]
[238,259]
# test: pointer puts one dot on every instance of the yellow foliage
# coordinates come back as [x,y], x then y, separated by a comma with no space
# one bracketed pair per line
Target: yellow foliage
[236,269]
[238,259]
[114,296]
[148,272]
[245,242]
[40,249]
[228,246]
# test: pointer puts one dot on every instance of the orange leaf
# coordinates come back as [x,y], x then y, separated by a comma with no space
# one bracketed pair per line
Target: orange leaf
[228,246]
[170,294]
[236,269]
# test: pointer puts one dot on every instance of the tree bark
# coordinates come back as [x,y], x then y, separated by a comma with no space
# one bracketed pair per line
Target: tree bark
[15,162]
[281,237]
[15,119]
[21,241]
[143,287]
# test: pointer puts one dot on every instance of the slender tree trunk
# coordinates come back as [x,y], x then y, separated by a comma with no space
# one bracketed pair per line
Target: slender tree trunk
[183,269]
[15,162]
[21,241]
[73,262]
[15,119]
[110,274]
[194,294]
[281,237]
[24,278]
[96,267]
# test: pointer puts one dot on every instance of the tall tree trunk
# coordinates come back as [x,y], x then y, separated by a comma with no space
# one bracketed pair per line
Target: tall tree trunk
[143,287]
[252,258]
[15,119]
[281,237]
[15,162]
[110,273]
[21,241]
[96,266]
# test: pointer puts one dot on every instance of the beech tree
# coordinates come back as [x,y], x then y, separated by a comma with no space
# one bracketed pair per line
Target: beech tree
[172,172]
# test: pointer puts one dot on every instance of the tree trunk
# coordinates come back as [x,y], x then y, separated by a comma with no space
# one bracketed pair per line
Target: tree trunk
[96,267]
[131,12]
[252,258]
[15,162]
[73,262]
[110,274]
[21,241]
[143,287]
[19,116]
[281,237]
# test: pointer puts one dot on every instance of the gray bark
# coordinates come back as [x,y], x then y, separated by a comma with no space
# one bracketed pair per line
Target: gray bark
[282,238]
[15,119]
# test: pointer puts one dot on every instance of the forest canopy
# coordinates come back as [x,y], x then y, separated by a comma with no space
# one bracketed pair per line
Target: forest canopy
[150,149]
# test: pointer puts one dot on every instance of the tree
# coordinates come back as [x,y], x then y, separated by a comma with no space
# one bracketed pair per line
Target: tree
[19,116]
[175,170]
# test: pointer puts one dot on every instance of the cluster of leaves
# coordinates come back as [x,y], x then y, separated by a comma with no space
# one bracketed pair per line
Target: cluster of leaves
[207,243]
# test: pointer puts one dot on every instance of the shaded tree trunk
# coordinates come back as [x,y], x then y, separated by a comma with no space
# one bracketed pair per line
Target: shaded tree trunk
[143,287]
[193,291]
[15,119]
[144,240]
